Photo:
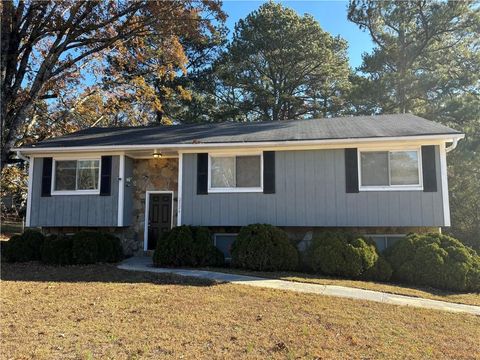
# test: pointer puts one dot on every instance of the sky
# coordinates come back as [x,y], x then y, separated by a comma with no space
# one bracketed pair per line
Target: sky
[332,16]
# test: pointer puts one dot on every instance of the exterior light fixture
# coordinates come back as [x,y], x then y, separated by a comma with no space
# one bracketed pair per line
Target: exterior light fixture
[157,155]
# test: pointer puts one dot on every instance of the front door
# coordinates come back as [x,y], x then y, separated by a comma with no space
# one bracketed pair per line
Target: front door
[159,217]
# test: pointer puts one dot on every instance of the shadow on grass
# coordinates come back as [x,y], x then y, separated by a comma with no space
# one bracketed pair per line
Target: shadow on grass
[106,273]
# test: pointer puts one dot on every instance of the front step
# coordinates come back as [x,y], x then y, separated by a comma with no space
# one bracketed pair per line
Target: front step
[148,253]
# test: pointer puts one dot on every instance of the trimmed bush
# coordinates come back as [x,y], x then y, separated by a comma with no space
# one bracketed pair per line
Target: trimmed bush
[435,260]
[109,248]
[264,247]
[187,246]
[57,250]
[89,247]
[85,247]
[24,247]
[347,255]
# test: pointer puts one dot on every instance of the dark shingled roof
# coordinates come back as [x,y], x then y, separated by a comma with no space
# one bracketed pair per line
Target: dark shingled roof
[295,130]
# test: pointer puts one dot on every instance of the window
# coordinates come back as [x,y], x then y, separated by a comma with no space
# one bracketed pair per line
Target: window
[79,176]
[224,242]
[239,173]
[390,170]
[385,241]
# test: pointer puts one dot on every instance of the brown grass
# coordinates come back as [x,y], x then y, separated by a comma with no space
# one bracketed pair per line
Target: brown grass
[422,292]
[94,312]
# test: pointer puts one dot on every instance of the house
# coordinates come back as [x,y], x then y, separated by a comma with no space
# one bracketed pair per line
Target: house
[383,176]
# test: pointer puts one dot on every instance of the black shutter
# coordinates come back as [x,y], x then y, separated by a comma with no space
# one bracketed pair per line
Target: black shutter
[269,172]
[106,176]
[351,170]
[202,174]
[429,168]
[47,177]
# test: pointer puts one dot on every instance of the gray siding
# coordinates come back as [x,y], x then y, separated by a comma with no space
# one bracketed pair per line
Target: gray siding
[310,191]
[73,210]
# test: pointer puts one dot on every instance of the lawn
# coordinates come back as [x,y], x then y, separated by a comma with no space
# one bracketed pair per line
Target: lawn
[99,311]
[422,292]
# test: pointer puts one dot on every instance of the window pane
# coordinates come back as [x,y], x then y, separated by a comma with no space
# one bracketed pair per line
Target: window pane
[87,175]
[374,168]
[223,172]
[65,173]
[404,168]
[248,171]
[381,242]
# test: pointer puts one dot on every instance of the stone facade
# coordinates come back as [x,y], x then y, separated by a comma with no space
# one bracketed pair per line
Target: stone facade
[150,175]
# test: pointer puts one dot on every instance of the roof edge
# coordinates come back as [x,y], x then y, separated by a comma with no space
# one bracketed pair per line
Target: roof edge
[449,137]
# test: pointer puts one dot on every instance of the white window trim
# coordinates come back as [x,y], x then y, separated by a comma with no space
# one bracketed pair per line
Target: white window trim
[414,187]
[214,190]
[75,192]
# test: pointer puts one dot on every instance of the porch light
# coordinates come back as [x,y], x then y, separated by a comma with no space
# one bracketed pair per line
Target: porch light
[157,155]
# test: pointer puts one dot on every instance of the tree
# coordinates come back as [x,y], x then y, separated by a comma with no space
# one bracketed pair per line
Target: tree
[47,46]
[281,66]
[424,50]
[157,75]
[426,61]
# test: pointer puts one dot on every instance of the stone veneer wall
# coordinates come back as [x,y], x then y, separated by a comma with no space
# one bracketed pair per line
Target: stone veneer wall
[150,175]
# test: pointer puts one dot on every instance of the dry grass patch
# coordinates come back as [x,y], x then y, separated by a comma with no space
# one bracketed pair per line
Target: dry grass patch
[99,311]
[426,293]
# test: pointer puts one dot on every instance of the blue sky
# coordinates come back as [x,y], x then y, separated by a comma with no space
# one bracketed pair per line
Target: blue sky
[332,16]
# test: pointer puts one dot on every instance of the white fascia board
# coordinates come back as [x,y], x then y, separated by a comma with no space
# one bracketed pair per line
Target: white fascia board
[292,144]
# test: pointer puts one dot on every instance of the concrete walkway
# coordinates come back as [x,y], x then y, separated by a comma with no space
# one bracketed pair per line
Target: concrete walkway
[145,264]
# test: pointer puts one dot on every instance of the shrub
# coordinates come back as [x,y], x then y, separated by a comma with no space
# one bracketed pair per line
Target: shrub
[109,248]
[380,271]
[24,247]
[347,255]
[85,247]
[57,250]
[187,246]
[435,260]
[264,247]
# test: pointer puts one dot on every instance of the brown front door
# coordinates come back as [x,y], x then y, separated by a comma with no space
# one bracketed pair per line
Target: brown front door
[159,217]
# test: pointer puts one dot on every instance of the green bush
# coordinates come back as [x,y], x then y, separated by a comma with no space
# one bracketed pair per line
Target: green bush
[109,248]
[24,247]
[187,246]
[264,247]
[85,247]
[347,255]
[57,250]
[435,260]
[380,271]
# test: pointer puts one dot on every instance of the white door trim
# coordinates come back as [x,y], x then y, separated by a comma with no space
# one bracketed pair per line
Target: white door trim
[147,206]
[29,191]
[179,191]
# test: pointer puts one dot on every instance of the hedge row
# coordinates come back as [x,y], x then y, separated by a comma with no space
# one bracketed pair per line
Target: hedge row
[86,247]
[432,259]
